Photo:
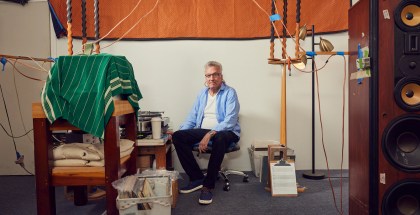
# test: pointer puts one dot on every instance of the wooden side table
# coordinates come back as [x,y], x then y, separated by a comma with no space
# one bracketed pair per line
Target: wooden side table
[161,149]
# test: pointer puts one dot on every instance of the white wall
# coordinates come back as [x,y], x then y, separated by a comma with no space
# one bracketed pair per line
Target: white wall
[25,31]
[170,74]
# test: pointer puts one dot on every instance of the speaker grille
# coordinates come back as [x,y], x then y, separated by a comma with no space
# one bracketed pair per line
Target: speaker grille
[402,198]
[401,143]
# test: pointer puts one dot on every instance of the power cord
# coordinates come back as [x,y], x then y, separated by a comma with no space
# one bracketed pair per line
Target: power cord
[19,157]
[340,211]
[7,133]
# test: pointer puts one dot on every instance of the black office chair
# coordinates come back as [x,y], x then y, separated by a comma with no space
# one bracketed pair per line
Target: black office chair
[223,172]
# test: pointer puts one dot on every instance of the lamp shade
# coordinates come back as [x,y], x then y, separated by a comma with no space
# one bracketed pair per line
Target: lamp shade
[302,32]
[303,60]
[325,45]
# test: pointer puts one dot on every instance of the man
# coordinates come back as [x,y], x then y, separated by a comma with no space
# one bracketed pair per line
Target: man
[214,117]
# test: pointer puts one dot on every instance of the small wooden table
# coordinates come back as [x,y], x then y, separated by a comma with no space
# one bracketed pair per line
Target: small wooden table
[161,149]
[47,177]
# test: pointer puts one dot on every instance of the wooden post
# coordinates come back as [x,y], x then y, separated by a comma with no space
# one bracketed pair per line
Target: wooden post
[297,29]
[284,45]
[283,130]
[69,31]
[84,34]
[44,189]
[112,158]
[96,17]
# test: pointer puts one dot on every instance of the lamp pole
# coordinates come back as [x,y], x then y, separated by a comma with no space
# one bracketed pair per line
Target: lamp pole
[313,174]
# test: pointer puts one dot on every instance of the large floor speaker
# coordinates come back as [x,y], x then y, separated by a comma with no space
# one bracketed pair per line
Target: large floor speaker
[384,109]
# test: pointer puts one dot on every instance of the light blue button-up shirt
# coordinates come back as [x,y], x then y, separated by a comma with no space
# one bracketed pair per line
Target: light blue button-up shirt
[227,110]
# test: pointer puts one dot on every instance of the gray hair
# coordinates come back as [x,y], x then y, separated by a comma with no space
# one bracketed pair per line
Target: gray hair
[214,64]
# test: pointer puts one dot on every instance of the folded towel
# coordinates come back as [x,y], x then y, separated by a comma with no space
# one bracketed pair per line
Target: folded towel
[69,162]
[85,154]
[126,152]
[126,144]
[75,151]
[96,163]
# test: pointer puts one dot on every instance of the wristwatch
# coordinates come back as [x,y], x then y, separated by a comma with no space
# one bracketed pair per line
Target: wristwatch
[212,133]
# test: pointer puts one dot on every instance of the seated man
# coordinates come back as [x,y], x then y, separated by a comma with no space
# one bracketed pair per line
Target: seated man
[214,117]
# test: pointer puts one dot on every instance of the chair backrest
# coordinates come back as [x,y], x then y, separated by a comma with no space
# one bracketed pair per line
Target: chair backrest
[234,146]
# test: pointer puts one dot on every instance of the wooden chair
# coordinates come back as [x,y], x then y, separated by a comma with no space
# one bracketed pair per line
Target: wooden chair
[47,176]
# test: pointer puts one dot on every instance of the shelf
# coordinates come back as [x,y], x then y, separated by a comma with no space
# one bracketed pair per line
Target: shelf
[74,176]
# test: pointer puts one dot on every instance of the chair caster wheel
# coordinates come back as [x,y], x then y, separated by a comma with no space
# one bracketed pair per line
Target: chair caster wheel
[246,179]
[226,187]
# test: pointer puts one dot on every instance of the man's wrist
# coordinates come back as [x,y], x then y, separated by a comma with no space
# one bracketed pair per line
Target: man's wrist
[212,133]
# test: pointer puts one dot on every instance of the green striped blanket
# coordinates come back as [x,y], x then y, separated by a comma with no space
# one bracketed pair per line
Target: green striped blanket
[79,89]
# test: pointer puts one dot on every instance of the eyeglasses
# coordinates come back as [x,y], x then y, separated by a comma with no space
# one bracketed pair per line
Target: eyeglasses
[215,75]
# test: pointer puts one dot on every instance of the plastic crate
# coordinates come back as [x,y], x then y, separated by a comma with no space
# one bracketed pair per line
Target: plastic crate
[159,204]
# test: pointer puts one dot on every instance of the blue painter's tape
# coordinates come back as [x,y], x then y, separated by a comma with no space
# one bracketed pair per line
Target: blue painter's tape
[274,17]
[311,54]
[53,59]
[3,61]
[340,53]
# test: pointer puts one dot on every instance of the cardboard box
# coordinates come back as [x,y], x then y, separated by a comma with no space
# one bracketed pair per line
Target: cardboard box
[174,193]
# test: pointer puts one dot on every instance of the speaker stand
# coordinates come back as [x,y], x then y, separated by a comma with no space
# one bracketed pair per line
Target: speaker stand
[313,174]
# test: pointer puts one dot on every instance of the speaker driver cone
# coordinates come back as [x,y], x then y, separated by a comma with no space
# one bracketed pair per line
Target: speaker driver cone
[410,15]
[407,15]
[402,198]
[401,143]
[407,94]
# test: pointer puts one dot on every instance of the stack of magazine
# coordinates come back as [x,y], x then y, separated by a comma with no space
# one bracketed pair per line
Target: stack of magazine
[136,187]
[143,188]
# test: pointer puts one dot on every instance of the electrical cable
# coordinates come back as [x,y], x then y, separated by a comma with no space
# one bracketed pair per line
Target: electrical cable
[322,67]
[27,65]
[112,29]
[15,137]
[38,65]
[128,31]
[35,79]
[7,114]
[339,177]
[30,173]
[323,143]
[18,101]
[57,139]
[19,158]
[342,139]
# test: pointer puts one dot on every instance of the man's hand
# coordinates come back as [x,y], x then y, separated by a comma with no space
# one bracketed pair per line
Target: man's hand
[202,147]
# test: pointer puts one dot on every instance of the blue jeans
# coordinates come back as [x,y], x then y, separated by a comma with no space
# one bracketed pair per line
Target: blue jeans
[184,140]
